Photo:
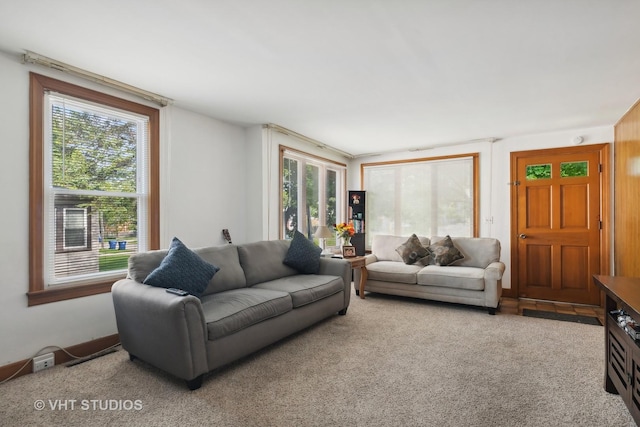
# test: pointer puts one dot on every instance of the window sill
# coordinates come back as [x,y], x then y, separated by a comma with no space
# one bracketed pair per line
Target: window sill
[61,293]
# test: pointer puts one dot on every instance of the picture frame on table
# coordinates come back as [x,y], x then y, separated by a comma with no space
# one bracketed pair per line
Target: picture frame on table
[348,251]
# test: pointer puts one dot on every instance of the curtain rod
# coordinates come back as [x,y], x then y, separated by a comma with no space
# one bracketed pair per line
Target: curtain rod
[318,144]
[34,58]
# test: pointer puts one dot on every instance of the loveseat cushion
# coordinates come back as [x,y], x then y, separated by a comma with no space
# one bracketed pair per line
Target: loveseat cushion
[412,250]
[231,311]
[443,252]
[262,261]
[305,289]
[478,251]
[384,246]
[470,278]
[393,271]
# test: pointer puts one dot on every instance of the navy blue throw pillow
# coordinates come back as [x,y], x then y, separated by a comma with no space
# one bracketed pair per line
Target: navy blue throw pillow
[303,255]
[183,269]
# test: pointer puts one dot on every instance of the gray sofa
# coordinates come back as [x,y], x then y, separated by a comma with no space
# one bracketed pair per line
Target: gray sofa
[475,280]
[251,302]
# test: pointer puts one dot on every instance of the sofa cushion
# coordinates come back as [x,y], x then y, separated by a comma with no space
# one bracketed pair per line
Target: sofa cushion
[393,271]
[443,252]
[183,269]
[231,275]
[384,246]
[143,263]
[478,251]
[262,261]
[231,311]
[470,278]
[303,254]
[412,250]
[304,288]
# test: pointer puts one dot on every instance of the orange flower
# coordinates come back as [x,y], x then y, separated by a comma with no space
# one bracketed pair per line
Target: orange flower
[344,230]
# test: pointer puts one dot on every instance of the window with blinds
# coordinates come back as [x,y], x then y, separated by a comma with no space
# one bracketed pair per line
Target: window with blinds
[95,169]
[93,188]
[428,197]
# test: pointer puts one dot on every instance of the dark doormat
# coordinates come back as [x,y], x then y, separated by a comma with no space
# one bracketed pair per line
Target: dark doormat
[561,316]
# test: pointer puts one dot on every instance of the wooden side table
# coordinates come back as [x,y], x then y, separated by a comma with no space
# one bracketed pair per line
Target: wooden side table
[359,262]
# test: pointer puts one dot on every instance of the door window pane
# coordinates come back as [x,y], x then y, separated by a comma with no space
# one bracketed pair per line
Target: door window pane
[574,169]
[538,172]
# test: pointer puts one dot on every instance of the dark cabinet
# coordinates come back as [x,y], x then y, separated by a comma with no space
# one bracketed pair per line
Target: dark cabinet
[357,212]
[622,361]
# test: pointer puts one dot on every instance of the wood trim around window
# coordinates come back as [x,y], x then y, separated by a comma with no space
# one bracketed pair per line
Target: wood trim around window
[38,86]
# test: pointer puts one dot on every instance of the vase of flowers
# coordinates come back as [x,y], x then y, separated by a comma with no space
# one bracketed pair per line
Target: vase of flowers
[344,231]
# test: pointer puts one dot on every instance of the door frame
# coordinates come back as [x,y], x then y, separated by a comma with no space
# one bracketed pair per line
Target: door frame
[604,150]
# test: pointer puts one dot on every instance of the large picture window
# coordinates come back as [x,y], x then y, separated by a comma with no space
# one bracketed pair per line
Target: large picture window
[312,193]
[94,185]
[428,197]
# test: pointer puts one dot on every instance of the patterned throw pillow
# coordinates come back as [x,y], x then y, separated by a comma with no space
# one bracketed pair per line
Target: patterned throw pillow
[303,255]
[443,252]
[183,269]
[412,250]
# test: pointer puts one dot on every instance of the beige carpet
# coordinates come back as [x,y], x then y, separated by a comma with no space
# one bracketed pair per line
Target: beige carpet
[388,362]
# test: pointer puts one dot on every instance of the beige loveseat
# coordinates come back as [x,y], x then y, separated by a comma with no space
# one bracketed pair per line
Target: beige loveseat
[475,280]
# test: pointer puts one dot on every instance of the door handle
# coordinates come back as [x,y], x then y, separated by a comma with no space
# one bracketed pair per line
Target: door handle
[522,236]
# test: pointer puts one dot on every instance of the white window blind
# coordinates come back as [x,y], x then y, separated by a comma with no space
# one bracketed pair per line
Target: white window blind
[428,198]
[96,186]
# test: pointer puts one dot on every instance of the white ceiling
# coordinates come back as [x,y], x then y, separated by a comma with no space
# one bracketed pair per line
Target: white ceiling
[359,75]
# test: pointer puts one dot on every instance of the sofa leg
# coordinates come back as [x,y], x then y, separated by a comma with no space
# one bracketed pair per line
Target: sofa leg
[195,383]
[357,292]
[491,310]
[132,357]
[343,312]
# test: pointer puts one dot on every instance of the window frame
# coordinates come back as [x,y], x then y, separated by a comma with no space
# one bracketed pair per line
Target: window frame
[324,165]
[38,292]
[61,227]
[475,157]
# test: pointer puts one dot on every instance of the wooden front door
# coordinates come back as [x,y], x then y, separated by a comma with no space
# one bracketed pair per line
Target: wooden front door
[557,202]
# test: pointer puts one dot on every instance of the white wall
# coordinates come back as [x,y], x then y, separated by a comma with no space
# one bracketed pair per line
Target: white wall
[202,180]
[257,187]
[495,196]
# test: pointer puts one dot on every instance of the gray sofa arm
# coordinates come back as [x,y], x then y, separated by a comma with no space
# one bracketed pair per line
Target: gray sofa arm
[493,283]
[338,267]
[163,329]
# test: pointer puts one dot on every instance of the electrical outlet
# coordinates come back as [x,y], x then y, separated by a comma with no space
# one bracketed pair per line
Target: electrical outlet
[43,362]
